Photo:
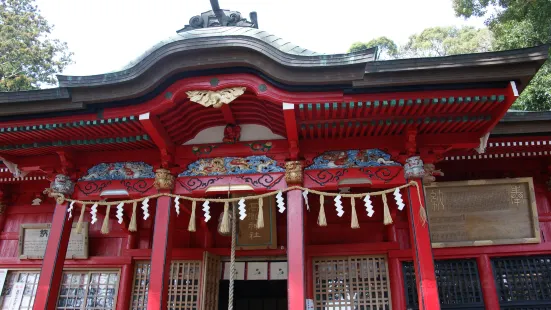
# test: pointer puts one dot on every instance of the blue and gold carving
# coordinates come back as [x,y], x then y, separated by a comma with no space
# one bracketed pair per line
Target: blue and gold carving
[352,158]
[232,165]
[119,171]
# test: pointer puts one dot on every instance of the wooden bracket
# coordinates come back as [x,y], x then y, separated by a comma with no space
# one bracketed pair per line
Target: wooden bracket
[228,114]
[160,137]
[290,118]
[66,159]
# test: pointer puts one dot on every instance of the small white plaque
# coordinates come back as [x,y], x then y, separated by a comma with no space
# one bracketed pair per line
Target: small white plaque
[239,270]
[257,271]
[309,304]
[16,296]
[278,271]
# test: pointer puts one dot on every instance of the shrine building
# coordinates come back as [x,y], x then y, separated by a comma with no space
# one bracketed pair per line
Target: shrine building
[227,168]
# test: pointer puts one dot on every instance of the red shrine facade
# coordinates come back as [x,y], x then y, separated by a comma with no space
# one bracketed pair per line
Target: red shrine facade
[229,166]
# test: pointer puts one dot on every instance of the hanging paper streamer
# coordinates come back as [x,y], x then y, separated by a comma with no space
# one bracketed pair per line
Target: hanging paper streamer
[368,206]
[387,217]
[305,196]
[94,213]
[133,226]
[242,209]
[322,221]
[145,208]
[70,210]
[119,212]
[81,218]
[338,205]
[354,224]
[105,225]
[260,218]
[177,205]
[191,226]
[399,200]
[280,203]
[206,210]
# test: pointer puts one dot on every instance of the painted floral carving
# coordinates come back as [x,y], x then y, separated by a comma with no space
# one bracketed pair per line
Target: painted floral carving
[260,146]
[414,168]
[293,172]
[232,165]
[119,171]
[216,98]
[203,150]
[352,158]
[163,180]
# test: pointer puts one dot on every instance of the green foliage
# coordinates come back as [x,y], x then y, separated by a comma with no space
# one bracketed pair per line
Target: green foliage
[28,56]
[445,41]
[518,24]
[387,48]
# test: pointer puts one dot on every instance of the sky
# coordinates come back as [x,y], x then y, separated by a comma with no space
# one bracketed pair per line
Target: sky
[105,35]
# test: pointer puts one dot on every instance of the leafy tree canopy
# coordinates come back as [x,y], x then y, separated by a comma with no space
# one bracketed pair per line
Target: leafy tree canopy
[387,48]
[518,24]
[28,56]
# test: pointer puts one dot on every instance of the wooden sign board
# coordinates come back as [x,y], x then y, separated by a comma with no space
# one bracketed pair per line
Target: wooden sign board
[251,238]
[482,212]
[34,237]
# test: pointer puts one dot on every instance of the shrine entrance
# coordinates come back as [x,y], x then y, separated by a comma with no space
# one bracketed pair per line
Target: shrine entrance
[255,295]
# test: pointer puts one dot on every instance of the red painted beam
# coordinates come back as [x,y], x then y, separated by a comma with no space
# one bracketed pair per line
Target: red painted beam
[158,134]
[125,287]
[54,258]
[291,129]
[295,251]
[488,283]
[422,253]
[227,113]
[161,255]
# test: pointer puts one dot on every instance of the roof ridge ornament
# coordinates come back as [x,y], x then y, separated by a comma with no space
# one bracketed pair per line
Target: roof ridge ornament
[220,18]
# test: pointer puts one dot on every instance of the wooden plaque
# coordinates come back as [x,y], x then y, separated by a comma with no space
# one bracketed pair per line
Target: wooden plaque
[482,212]
[34,237]
[251,238]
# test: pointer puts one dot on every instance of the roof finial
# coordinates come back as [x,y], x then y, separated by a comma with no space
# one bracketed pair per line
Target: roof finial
[220,18]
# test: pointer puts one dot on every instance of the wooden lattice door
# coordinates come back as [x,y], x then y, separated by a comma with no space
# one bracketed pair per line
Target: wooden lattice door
[210,281]
[353,282]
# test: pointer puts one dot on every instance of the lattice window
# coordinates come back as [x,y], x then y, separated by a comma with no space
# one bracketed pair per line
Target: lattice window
[88,290]
[458,284]
[359,282]
[183,290]
[523,282]
[30,278]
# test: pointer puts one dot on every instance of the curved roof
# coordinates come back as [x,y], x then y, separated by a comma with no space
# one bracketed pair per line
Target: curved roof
[278,50]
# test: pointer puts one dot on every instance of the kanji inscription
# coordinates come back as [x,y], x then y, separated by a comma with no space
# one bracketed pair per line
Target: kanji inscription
[33,239]
[482,212]
[249,236]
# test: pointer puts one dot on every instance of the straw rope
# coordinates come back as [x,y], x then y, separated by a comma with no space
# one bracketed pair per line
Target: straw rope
[225,222]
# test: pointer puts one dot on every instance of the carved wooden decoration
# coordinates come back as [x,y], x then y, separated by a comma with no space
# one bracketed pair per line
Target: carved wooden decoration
[482,212]
[34,237]
[216,98]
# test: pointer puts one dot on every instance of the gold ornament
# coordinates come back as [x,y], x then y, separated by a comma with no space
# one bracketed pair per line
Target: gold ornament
[216,98]
[293,172]
[163,180]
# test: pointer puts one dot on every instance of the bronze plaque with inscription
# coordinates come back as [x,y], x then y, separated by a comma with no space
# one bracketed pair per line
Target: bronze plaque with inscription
[34,237]
[482,212]
[251,238]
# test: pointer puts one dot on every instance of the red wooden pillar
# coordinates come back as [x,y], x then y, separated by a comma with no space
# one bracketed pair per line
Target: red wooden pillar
[422,252]
[397,284]
[161,255]
[54,258]
[487,280]
[295,251]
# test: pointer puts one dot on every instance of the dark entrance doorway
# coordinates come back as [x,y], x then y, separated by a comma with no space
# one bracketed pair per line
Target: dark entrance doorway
[254,295]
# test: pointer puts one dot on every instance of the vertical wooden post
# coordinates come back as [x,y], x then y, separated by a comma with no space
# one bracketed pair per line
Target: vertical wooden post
[161,255]
[488,283]
[422,251]
[125,287]
[295,251]
[396,284]
[54,258]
